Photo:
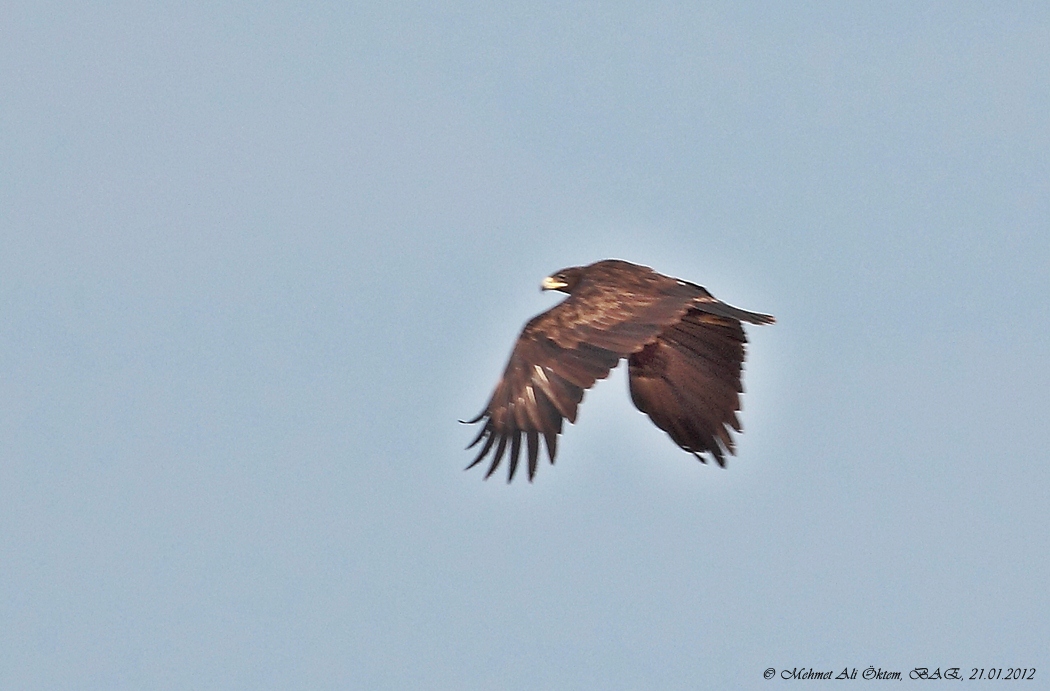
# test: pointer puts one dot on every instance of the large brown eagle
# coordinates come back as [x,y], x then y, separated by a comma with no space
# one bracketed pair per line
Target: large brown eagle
[684,348]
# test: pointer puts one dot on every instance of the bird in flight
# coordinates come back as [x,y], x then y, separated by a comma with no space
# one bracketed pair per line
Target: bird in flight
[684,350]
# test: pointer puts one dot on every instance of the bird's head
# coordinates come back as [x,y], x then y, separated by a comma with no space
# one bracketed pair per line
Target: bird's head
[565,280]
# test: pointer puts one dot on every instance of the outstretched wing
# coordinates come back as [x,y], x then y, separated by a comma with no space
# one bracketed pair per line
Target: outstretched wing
[688,381]
[615,310]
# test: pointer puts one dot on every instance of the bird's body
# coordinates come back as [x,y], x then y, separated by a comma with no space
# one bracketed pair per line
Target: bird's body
[685,352]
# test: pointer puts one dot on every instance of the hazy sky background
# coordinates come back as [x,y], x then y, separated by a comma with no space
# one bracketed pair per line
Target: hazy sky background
[258,258]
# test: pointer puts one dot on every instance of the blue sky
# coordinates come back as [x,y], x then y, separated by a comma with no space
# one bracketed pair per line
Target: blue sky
[258,259]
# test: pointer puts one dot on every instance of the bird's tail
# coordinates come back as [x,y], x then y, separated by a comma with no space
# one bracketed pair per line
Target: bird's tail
[721,309]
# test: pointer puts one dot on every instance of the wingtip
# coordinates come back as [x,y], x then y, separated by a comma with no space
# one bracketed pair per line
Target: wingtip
[473,420]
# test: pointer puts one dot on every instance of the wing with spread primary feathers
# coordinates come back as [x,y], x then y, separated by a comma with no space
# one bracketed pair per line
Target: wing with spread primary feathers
[688,381]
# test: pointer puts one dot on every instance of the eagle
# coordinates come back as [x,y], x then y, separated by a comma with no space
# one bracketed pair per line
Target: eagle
[684,350]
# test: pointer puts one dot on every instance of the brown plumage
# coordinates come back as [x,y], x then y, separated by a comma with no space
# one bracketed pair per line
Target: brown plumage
[685,350]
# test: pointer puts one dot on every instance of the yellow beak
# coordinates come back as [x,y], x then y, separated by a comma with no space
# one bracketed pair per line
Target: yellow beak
[551,283]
